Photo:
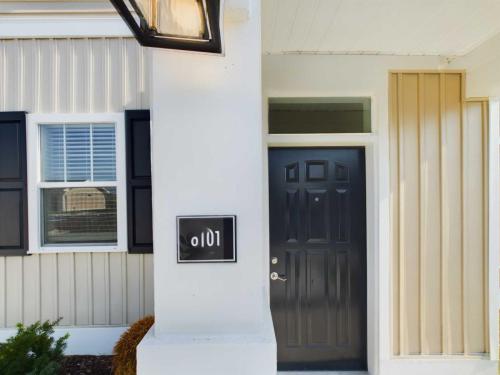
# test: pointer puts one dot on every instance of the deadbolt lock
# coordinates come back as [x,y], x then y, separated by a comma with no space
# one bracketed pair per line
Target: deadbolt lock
[274,260]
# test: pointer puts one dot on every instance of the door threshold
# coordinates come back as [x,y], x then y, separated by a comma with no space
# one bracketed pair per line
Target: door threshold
[323,373]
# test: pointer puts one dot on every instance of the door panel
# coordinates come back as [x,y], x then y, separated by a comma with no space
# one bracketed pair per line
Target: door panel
[318,236]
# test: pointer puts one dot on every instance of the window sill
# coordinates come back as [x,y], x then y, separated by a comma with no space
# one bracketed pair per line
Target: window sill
[77,249]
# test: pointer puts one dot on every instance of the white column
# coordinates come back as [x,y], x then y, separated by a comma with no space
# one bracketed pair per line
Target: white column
[207,152]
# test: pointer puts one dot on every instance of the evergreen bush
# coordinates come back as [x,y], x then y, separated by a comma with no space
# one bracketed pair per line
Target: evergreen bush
[33,350]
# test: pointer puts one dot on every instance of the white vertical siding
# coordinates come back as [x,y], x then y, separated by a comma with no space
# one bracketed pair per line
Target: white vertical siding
[74,75]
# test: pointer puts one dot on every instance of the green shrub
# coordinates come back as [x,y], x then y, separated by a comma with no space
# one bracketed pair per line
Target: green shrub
[33,350]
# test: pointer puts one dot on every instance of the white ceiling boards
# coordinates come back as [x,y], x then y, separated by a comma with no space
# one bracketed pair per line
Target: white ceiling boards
[401,27]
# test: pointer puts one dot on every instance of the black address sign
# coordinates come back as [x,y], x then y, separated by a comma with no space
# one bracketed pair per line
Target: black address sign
[203,239]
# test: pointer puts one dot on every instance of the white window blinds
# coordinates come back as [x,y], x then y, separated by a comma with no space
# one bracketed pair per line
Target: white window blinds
[78,152]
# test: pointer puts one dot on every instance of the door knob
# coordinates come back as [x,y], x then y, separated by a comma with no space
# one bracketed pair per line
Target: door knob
[275,276]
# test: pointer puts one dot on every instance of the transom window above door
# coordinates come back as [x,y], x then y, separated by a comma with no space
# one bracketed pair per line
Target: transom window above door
[77,182]
[319,115]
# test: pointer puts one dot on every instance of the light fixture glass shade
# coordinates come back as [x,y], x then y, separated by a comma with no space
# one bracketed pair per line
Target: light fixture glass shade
[193,25]
[145,7]
[182,18]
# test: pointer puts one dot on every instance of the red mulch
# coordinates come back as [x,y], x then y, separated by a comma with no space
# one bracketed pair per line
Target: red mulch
[86,364]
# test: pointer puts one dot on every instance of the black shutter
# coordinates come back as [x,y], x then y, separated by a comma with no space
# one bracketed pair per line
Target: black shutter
[13,184]
[139,205]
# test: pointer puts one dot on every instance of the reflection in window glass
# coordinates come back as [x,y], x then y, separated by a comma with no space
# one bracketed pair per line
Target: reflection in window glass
[79,215]
[319,115]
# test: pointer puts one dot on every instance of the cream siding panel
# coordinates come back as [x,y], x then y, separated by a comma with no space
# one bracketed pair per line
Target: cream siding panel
[98,83]
[409,216]
[100,285]
[438,199]
[115,76]
[83,289]
[430,215]
[14,290]
[148,286]
[452,214]
[74,75]
[31,282]
[65,69]
[475,295]
[66,288]
[47,76]
[135,283]
[49,287]
[117,287]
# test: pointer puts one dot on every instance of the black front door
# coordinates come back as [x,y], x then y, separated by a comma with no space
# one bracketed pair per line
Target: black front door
[318,257]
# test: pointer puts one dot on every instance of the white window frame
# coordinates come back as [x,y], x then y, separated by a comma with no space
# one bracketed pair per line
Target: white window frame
[35,183]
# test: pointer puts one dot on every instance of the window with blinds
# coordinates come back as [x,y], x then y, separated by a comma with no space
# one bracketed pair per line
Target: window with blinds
[78,184]
[82,152]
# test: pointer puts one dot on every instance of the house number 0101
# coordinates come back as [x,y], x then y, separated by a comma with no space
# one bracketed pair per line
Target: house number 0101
[208,238]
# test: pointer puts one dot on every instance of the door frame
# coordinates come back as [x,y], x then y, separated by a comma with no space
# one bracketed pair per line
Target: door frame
[378,254]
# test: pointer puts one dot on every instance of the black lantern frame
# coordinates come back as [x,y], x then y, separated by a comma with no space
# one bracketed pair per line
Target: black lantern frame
[149,37]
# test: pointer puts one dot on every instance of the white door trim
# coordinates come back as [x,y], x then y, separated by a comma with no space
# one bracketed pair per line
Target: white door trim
[377,217]
[494,224]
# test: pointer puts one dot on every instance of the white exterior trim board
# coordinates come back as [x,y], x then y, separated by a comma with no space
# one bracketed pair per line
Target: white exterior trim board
[62,26]
[494,224]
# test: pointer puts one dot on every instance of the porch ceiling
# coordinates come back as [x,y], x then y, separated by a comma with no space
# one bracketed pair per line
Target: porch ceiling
[402,27]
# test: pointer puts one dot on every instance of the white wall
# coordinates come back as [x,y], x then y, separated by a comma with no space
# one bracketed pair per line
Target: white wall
[483,69]
[206,152]
[207,160]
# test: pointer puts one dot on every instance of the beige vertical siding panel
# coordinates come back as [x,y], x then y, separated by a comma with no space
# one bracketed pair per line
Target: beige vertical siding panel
[31,282]
[68,75]
[14,290]
[82,75]
[29,82]
[48,287]
[3,291]
[117,286]
[134,292]
[430,215]
[47,75]
[66,288]
[98,80]
[474,286]
[13,66]
[131,76]
[65,65]
[100,287]
[438,146]
[116,75]
[148,285]
[83,289]
[409,220]
[452,213]
[143,72]
[394,167]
